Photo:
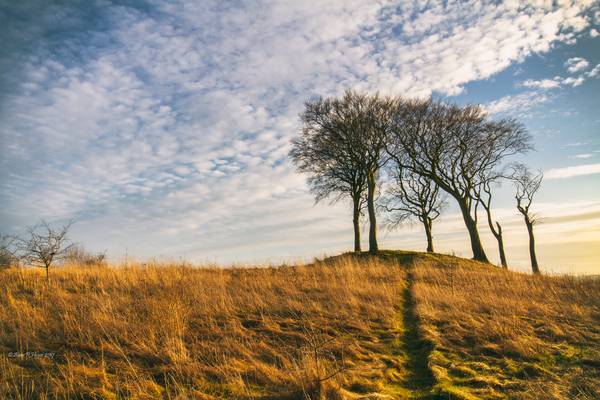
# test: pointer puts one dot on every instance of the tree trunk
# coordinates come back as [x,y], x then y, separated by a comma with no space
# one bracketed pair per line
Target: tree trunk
[500,240]
[498,235]
[373,247]
[476,246]
[47,276]
[501,250]
[427,223]
[534,263]
[356,222]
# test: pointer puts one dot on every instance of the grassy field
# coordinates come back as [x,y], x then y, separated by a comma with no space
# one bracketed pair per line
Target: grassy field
[402,325]
[499,334]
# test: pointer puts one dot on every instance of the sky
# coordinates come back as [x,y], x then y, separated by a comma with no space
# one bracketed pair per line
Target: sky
[162,128]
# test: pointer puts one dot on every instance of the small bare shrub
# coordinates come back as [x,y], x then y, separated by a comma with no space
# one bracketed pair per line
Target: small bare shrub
[7,251]
[77,255]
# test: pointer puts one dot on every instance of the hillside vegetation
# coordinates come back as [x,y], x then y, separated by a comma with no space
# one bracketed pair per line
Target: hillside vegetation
[400,325]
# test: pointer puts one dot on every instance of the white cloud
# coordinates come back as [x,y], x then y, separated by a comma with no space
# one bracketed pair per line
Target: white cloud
[584,155]
[519,102]
[537,96]
[559,81]
[571,81]
[543,84]
[569,172]
[576,64]
[594,72]
[576,144]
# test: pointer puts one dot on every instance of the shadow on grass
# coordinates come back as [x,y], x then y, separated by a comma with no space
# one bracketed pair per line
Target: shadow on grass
[417,349]
[420,379]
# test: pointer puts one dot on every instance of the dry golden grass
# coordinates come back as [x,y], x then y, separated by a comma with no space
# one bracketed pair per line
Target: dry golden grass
[499,334]
[179,332]
[402,325]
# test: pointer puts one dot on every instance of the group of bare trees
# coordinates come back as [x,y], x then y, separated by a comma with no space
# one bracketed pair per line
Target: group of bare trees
[429,151]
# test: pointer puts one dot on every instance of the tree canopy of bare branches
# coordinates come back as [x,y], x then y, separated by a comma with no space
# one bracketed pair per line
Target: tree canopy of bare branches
[455,146]
[327,149]
[45,245]
[526,186]
[413,196]
[341,145]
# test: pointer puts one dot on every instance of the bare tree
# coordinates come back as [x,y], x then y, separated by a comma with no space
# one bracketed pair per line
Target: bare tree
[341,145]
[526,185]
[327,150]
[454,146]
[484,197]
[45,245]
[7,251]
[413,196]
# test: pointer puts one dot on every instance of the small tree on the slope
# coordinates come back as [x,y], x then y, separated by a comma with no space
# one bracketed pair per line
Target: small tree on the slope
[327,150]
[484,197]
[45,245]
[413,196]
[454,146]
[526,185]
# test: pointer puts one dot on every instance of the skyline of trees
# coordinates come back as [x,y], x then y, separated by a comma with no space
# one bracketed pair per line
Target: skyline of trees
[428,145]
[457,148]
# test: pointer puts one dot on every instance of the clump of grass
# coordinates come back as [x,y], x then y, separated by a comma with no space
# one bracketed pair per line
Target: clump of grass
[163,331]
[501,334]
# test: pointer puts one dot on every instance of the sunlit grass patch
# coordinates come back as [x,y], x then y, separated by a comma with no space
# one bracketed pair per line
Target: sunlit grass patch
[162,331]
[501,334]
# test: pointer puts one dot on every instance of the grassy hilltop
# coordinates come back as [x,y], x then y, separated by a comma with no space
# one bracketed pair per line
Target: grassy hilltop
[400,325]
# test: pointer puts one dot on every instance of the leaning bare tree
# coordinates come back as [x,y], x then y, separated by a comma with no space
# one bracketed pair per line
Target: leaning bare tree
[327,150]
[454,146]
[45,245]
[484,197]
[526,185]
[413,196]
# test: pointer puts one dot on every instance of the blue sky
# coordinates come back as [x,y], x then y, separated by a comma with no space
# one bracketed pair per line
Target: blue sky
[162,127]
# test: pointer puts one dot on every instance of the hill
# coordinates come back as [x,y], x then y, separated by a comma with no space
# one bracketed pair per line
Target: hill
[400,325]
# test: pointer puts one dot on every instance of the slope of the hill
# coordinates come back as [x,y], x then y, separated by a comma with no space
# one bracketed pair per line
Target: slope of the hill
[400,325]
[498,334]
